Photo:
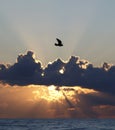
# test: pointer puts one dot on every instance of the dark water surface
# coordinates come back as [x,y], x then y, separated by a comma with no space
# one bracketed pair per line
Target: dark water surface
[57,124]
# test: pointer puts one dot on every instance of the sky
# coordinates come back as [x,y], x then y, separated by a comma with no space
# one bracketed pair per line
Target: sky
[40,80]
[86,28]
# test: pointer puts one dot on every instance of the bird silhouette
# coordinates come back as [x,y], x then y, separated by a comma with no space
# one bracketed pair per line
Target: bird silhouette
[59,42]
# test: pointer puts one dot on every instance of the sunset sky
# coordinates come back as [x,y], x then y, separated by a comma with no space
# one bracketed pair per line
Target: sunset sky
[40,80]
[86,28]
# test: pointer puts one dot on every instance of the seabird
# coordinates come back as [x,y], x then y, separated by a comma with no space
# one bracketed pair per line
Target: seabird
[59,42]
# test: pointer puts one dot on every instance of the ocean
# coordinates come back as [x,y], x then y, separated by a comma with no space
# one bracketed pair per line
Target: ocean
[57,124]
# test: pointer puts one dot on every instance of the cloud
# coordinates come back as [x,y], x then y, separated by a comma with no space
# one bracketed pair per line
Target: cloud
[25,71]
[74,72]
[97,104]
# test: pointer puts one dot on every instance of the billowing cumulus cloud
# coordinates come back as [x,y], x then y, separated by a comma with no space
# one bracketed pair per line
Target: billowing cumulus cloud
[24,71]
[73,72]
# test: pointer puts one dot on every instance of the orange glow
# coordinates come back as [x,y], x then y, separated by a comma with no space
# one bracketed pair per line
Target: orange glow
[54,94]
[40,101]
[48,93]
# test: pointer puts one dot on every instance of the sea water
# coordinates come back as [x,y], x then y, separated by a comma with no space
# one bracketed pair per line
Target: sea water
[57,124]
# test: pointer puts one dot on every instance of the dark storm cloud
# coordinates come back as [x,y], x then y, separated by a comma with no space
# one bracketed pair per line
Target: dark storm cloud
[25,71]
[71,73]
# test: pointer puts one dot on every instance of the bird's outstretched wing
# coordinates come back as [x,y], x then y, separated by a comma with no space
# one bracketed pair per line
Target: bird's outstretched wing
[59,41]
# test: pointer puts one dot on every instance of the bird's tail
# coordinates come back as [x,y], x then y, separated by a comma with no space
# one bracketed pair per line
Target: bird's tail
[56,44]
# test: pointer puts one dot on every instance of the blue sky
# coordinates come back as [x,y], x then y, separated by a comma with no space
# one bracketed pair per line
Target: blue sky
[86,28]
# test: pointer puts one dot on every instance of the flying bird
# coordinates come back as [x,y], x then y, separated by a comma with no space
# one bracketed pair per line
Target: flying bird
[59,42]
